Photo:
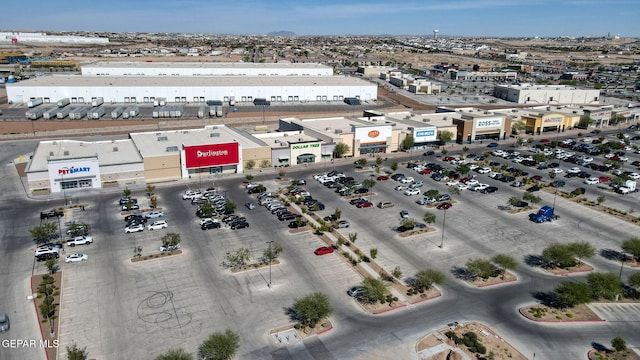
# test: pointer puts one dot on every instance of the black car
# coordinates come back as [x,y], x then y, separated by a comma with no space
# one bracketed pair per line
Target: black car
[297,224]
[51,213]
[489,190]
[558,184]
[533,188]
[429,153]
[553,165]
[210,225]
[361,191]
[331,217]
[257,190]
[132,217]
[584,175]
[357,201]
[47,256]
[317,206]
[239,225]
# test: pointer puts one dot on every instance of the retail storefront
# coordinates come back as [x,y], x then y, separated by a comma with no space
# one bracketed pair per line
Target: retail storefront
[68,174]
[546,122]
[372,139]
[479,127]
[307,152]
[425,137]
[211,159]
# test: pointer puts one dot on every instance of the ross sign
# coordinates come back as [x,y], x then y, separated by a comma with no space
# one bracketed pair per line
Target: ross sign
[489,123]
[370,134]
[211,155]
[304,146]
[73,170]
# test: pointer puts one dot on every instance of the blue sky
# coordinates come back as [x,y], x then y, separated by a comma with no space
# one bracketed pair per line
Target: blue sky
[503,18]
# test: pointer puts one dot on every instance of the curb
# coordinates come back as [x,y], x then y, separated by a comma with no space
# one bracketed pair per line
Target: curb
[325,330]
[427,299]
[558,321]
[388,310]
[46,354]
[496,284]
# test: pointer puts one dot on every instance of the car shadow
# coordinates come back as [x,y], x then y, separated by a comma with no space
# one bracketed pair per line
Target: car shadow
[534,260]
[599,347]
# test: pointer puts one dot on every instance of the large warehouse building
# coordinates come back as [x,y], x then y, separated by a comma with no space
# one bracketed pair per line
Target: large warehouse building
[140,83]
[546,94]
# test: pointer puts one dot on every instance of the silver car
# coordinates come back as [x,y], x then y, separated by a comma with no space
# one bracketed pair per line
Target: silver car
[4,322]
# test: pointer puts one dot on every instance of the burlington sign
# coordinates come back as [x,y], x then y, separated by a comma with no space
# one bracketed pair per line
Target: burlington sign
[211,155]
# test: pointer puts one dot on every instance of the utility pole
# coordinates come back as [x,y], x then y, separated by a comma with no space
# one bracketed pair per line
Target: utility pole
[270,261]
[444,220]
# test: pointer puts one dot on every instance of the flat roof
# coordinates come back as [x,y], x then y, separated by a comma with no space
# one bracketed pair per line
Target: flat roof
[187,81]
[159,143]
[109,152]
[285,138]
[331,125]
[203,65]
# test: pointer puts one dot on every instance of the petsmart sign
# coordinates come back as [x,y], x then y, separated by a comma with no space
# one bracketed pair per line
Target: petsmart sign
[424,135]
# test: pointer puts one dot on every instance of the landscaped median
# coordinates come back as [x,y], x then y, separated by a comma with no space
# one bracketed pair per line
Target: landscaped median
[47,290]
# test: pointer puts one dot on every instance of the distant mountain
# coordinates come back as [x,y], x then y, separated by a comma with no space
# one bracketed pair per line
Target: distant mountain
[282,33]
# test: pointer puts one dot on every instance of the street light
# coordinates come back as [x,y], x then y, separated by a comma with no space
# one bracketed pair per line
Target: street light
[444,220]
[270,261]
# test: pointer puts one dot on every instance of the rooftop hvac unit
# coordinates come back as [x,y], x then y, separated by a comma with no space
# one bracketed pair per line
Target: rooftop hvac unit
[50,153]
[338,131]
[214,134]
[327,129]
[115,149]
[162,138]
[66,153]
[285,135]
[172,148]
[300,139]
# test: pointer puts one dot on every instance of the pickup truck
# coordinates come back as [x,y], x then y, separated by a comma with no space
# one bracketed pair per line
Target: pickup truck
[51,213]
[80,240]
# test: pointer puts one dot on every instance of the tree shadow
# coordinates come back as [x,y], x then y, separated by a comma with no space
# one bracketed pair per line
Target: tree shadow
[290,313]
[599,347]
[547,298]
[611,254]
[535,260]
[462,273]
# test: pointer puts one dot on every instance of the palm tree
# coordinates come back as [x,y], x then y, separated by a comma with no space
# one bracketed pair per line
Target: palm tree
[369,184]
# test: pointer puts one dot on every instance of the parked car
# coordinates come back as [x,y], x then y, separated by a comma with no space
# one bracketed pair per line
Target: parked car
[382,178]
[51,213]
[385,204]
[131,207]
[411,192]
[239,225]
[133,217]
[491,145]
[190,194]
[366,204]
[323,250]
[558,183]
[287,216]
[444,197]
[80,240]
[4,322]
[297,224]
[210,225]
[169,247]
[343,224]
[591,181]
[533,188]
[444,206]
[404,214]
[134,228]
[154,214]
[331,217]
[76,258]
[250,205]
[158,224]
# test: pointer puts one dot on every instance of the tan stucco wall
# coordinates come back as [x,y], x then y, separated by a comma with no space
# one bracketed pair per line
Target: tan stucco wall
[258,155]
[162,168]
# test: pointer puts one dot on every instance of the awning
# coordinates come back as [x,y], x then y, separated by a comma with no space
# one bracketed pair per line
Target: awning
[283,158]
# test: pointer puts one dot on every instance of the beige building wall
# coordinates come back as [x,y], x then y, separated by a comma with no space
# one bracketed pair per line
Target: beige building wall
[162,168]
[258,155]
[348,139]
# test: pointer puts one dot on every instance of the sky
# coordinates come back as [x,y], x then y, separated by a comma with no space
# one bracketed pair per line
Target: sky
[494,18]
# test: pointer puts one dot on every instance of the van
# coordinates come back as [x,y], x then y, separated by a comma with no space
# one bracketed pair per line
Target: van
[385,204]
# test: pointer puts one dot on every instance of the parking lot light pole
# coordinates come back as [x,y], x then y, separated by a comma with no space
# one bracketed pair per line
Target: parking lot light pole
[270,261]
[64,190]
[444,220]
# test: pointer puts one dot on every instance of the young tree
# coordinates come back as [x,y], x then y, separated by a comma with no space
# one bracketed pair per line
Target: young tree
[150,189]
[374,289]
[514,201]
[171,239]
[369,184]
[249,177]
[481,267]
[582,249]
[632,246]
[230,205]
[175,354]
[341,149]
[240,257]
[604,286]
[220,346]
[634,280]
[353,237]
[504,262]
[429,218]
[207,209]
[312,308]
[126,193]
[559,255]
[379,160]
[47,290]
[570,294]
[463,169]
[43,233]
[531,198]
[137,251]
[273,251]
[424,279]
[76,353]
[397,273]
[337,213]
[394,166]
[446,136]
[52,265]
[153,200]
[432,193]
[619,344]
[407,142]
[373,252]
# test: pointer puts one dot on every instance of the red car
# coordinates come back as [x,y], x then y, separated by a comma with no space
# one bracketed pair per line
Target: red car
[444,206]
[544,140]
[604,179]
[365,204]
[536,177]
[448,158]
[323,250]
[425,171]
[465,180]
[382,178]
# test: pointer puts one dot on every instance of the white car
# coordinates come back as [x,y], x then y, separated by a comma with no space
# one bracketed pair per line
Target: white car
[208,220]
[154,214]
[484,170]
[453,182]
[47,249]
[634,175]
[190,195]
[159,224]
[407,180]
[557,170]
[473,166]
[75,258]
[592,181]
[411,192]
[400,188]
[416,184]
[169,247]
[472,182]
[463,187]
[80,240]
[133,228]
[574,170]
